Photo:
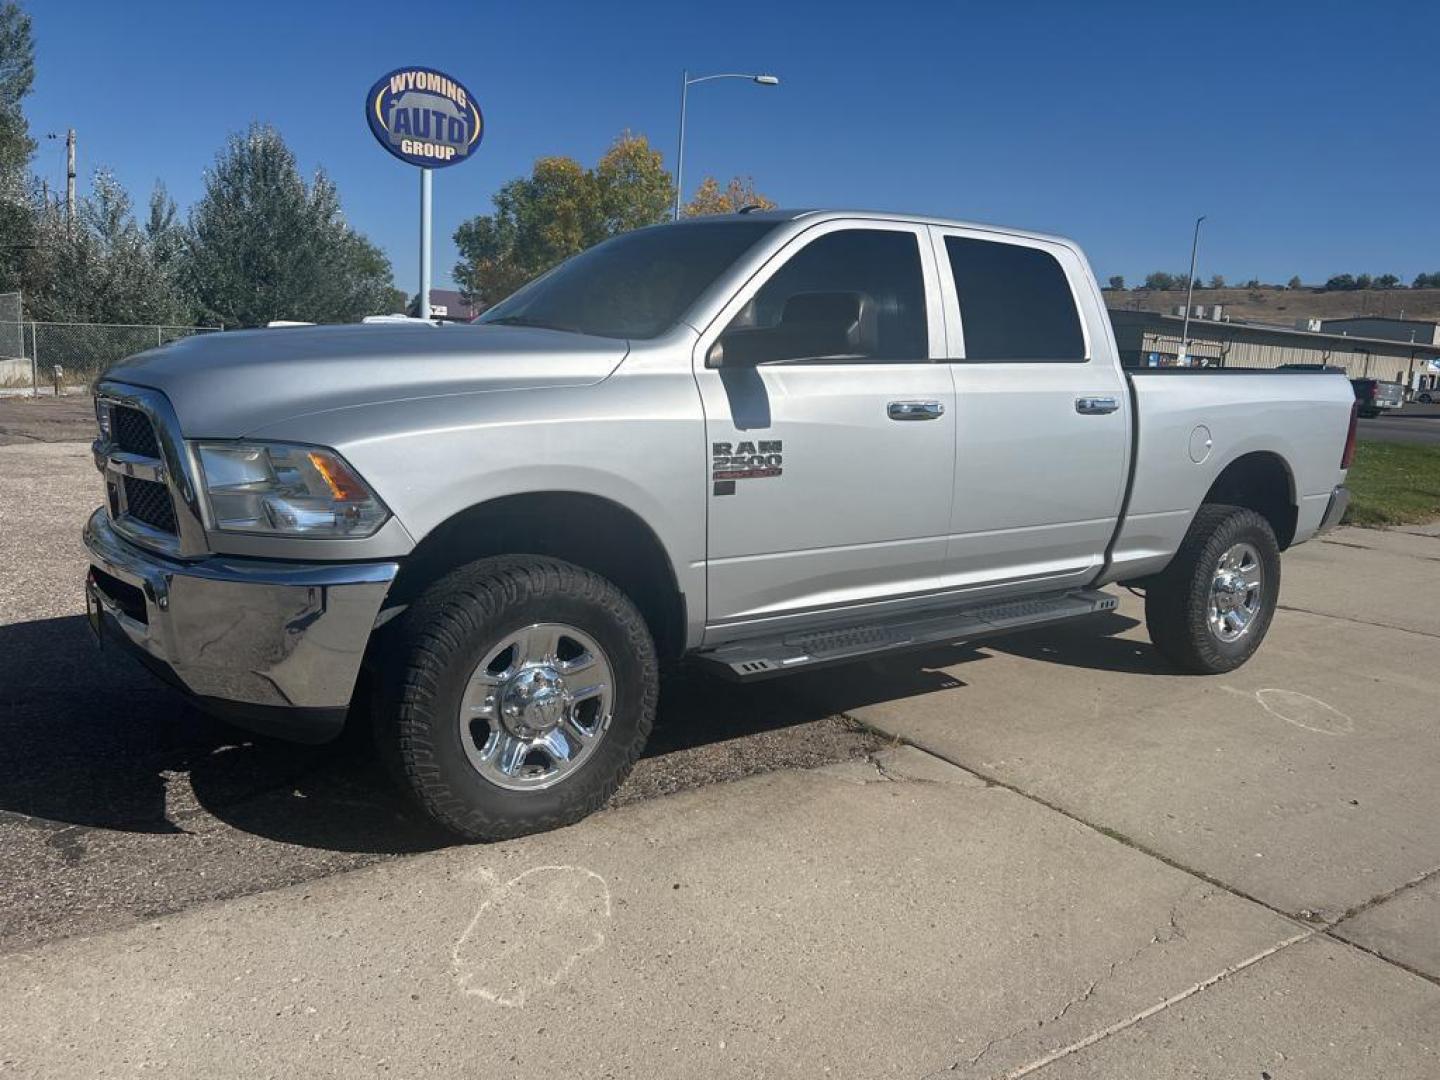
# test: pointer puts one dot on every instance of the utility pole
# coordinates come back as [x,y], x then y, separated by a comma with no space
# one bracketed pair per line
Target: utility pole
[1190,295]
[70,178]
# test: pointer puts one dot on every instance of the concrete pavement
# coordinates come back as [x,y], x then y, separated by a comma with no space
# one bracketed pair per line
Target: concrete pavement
[890,918]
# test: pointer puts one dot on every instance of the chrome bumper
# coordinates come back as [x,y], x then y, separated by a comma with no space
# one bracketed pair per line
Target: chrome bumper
[1335,510]
[274,646]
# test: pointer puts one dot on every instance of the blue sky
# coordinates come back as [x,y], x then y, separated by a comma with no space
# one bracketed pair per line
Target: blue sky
[1306,132]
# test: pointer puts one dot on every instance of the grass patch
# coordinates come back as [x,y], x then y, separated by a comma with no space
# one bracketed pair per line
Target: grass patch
[1394,484]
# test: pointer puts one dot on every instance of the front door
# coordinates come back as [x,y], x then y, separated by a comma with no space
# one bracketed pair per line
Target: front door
[831,429]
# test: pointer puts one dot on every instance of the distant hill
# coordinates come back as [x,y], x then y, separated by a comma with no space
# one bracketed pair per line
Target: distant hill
[1284,306]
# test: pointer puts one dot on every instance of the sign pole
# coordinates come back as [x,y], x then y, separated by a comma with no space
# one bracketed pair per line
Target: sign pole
[423,307]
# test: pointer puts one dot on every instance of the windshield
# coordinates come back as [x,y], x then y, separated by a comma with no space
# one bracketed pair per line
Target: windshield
[636,285]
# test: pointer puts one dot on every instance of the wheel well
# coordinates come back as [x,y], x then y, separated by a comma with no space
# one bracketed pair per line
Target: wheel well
[586,530]
[1261,482]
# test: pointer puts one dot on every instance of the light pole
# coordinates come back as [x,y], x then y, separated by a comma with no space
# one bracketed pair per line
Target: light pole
[1189,295]
[685,83]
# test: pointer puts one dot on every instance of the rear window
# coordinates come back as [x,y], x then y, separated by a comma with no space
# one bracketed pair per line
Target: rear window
[1015,303]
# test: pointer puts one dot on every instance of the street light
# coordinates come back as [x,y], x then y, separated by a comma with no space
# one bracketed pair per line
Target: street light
[1189,295]
[685,83]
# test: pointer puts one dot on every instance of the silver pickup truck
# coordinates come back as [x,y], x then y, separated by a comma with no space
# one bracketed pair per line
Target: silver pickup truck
[765,442]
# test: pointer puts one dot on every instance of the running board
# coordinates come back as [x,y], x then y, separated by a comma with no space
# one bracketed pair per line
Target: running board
[759,658]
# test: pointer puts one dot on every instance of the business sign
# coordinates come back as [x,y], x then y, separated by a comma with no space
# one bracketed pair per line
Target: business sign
[424,117]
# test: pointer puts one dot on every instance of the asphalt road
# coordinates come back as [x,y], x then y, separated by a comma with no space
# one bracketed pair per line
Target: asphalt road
[1411,424]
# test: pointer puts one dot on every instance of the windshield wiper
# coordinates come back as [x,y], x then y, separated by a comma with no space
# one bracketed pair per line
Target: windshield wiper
[525,320]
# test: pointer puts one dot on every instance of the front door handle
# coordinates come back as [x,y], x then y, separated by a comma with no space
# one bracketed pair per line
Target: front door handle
[915,410]
[1096,406]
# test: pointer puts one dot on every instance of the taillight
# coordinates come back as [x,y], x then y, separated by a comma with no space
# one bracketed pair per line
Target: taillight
[1349,454]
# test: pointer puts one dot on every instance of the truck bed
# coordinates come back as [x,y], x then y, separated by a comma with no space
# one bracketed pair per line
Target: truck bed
[1192,423]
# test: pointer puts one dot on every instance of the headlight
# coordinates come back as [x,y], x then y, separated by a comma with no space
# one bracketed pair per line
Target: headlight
[286,489]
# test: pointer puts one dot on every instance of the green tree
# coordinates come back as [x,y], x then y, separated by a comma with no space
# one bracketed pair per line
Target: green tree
[1161,280]
[1217,282]
[1340,282]
[263,244]
[1253,284]
[1295,283]
[557,211]
[1117,282]
[1364,281]
[102,267]
[632,188]
[17,73]
[1388,281]
[562,208]
[711,198]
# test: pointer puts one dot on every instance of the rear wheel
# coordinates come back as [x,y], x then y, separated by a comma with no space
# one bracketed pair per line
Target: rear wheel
[523,692]
[1211,607]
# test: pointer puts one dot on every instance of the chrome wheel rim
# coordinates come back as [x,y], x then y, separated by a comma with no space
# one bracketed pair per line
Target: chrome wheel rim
[1236,593]
[536,707]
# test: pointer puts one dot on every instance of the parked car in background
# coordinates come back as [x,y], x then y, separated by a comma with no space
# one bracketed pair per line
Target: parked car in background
[1428,397]
[766,442]
[1376,395]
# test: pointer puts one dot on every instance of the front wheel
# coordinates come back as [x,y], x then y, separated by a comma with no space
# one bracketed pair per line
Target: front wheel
[1209,609]
[522,692]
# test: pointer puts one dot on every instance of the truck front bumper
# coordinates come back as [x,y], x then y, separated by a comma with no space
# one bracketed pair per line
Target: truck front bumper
[272,646]
[1335,510]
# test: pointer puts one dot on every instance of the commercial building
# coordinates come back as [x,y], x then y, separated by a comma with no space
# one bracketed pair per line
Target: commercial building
[1150,339]
[446,305]
[1379,326]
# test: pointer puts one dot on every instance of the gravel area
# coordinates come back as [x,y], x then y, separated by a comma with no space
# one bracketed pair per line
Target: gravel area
[25,419]
[120,801]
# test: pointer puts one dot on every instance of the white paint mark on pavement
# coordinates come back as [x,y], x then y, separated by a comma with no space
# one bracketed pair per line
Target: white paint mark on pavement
[531,932]
[1301,710]
[1306,712]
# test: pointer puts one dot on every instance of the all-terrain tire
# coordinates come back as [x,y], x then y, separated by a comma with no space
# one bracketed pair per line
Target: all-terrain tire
[1177,601]
[442,638]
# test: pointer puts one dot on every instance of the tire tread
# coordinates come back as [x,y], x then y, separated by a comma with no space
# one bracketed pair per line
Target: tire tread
[434,632]
[1175,600]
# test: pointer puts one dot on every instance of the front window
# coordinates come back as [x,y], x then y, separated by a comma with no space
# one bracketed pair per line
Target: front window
[636,285]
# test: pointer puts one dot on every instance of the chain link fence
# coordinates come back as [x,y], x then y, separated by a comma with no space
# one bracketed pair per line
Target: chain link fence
[65,357]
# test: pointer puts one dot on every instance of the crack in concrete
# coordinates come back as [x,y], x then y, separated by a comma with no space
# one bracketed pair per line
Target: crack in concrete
[1312,929]
[1376,901]
[1361,622]
[1162,935]
[1144,1014]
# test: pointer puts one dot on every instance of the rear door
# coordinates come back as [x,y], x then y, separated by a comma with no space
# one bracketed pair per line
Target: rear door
[831,428]
[1041,411]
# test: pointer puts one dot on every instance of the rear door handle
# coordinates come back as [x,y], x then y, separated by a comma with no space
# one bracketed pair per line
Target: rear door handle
[1096,406]
[915,410]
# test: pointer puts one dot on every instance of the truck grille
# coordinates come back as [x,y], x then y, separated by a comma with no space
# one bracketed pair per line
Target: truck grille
[149,503]
[136,486]
[132,432]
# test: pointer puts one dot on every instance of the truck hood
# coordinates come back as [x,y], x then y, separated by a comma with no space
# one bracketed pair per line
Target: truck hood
[227,385]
